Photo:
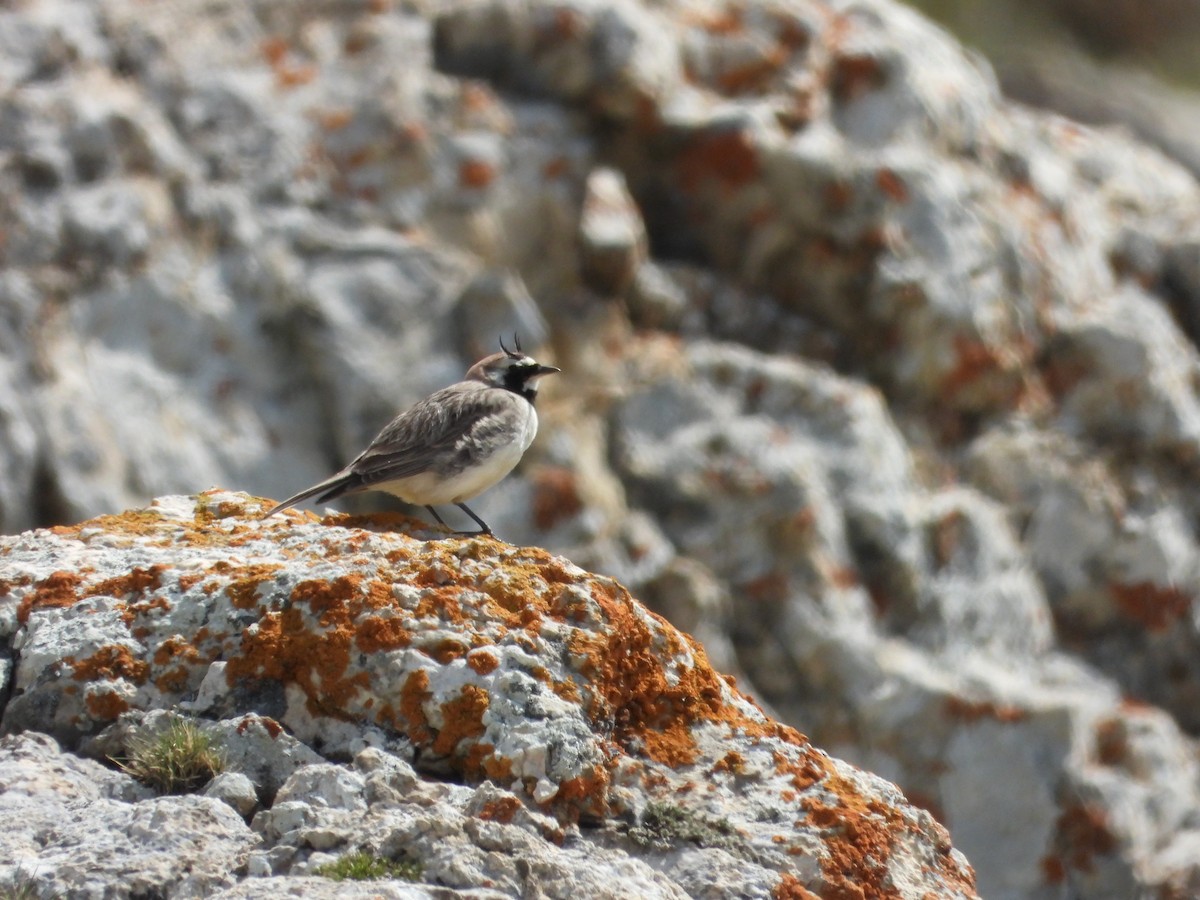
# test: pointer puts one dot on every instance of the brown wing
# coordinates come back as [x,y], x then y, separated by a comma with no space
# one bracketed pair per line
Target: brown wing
[442,433]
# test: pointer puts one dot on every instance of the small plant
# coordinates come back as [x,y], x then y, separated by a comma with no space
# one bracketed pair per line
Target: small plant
[178,760]
[21,885]
[363,866]
[664,825]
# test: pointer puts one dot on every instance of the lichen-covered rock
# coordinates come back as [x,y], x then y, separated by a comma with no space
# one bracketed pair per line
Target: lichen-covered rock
[498,664]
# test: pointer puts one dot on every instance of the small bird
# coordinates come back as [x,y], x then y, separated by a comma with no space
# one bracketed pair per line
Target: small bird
[451,446]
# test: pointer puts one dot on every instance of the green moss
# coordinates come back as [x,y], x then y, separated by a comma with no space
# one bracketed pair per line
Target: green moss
[363,866]
[179,760]
[665,825]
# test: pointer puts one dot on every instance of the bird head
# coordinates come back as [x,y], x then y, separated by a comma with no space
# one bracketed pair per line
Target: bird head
[511,370]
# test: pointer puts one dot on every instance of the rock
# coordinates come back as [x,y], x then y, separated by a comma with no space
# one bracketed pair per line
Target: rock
[327,889]
[499,664]
[75,827]
[234,789]
[611,234]
[732,447]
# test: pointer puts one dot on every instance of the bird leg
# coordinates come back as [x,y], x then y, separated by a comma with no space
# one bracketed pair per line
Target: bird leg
[485,528]
[433,512]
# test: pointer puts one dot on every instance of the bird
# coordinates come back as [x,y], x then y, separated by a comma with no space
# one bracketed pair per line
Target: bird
[451,446]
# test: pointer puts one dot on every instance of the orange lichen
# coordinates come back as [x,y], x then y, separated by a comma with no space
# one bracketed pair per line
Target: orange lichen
[853,75]
[588,792]
[110,662]
[324,595]
[474,765]
[725,156]
[1112,741]
[105,706]
[269,725]
[1084,833]
[497,768]
[274,49]
[413,697]
[290,75]
[892,185]
[175,648]
[187,658]
[556,168]
[206,512]
[378,634]
[242,591]
[173,681]
[976,360]
[137,581]
[333,119]
[462,718]
[135,608]
[805,771]
[476,173]
[482,662]
[285,647]
[771,588]
[972,710]
[859,834]
[440,604]
[446,651]
[555,497]
[671,744]
[136,522]
[1054,870]
[1061,373]
[732,761]
[858,841]
[57,590]
[502,809]
[1155,607]
[567,689]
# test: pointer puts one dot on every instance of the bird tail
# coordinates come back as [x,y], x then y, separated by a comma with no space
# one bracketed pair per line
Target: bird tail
[333,486]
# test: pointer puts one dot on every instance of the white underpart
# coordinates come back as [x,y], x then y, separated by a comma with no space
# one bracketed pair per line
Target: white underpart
[430,489]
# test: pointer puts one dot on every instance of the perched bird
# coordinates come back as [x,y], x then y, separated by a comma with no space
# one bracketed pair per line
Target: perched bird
[451,446]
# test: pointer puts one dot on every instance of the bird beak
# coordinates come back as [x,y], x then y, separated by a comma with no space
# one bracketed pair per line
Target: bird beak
[545,370]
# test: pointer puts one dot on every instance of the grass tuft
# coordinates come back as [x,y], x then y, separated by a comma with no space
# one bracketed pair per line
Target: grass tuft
[22,886]
[363,866]
[179,760]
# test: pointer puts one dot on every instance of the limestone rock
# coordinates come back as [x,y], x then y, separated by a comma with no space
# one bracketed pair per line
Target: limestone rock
[552,689]
[75,827]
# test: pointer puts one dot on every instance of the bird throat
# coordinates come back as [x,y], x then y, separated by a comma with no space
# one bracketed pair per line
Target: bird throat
[519,385]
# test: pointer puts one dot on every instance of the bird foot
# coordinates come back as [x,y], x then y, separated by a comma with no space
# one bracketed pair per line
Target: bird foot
[481,533]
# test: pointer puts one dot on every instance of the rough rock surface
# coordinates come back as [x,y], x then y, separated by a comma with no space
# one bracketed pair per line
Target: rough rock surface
[884,388]
[74,827]
[570,715]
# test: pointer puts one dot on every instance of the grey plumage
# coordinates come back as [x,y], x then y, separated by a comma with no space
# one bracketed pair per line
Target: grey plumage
[452,445]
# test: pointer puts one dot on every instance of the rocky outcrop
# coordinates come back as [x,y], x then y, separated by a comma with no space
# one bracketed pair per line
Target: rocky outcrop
[591,749]
[882,387]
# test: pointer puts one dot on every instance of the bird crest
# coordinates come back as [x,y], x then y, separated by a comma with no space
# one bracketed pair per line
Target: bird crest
[516,343]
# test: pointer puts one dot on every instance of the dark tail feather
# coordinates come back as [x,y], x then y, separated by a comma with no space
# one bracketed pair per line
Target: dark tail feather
[334,486]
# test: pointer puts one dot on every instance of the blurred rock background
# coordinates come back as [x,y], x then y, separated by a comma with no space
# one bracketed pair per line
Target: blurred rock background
[1131,63]
[883,386]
